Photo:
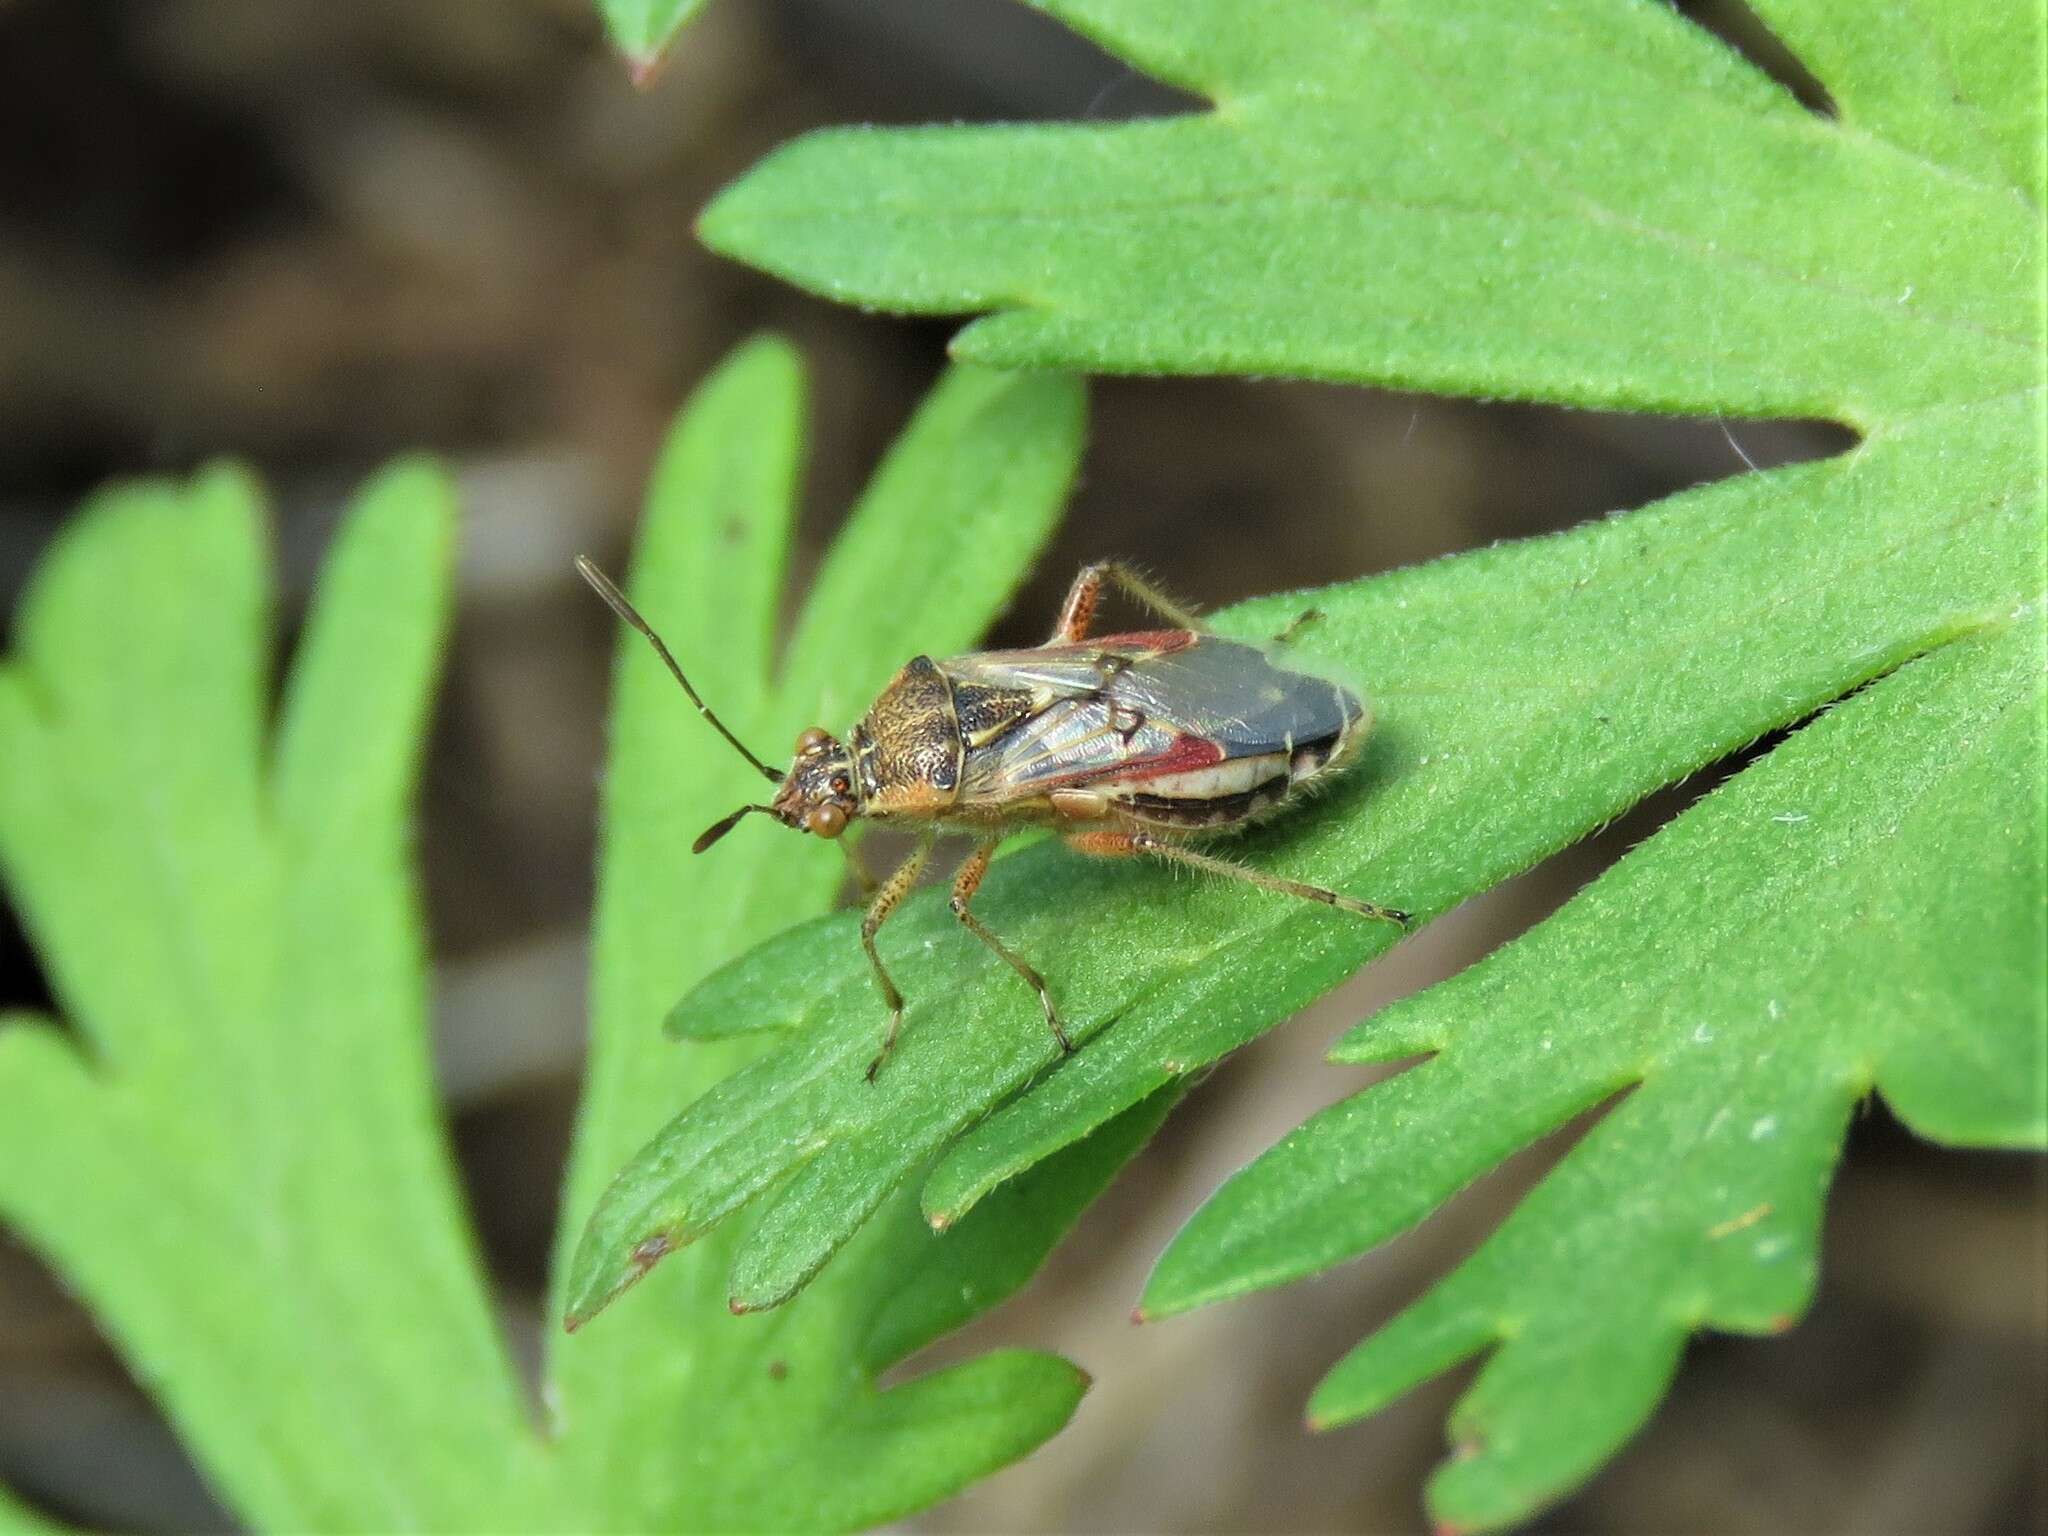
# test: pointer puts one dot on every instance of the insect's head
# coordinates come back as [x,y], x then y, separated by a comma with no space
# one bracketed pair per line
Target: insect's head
[817,793]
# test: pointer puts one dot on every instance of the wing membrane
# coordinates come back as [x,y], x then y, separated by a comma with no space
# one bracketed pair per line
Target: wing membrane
[1134,708]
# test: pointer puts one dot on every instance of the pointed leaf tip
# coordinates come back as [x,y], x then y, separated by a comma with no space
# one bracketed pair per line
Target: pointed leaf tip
[644,33]
[601,1282]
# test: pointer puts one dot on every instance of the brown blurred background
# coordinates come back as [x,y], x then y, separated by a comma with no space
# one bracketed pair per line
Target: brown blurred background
[314,233]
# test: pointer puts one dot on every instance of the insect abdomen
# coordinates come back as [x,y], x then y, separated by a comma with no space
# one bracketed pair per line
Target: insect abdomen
[1307,727]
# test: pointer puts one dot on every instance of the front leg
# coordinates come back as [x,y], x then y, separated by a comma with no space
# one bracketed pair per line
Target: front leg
[1077,613]
[893,890]
[965,884]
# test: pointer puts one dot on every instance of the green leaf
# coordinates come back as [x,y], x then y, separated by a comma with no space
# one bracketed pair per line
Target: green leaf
[1648,646]
[233,1154]
[677,1413]
[1602,207]
[642,30]
[1865,908]
[235,1157]
[1952,83]
[1626,214]
[17,1518]
[832,1458]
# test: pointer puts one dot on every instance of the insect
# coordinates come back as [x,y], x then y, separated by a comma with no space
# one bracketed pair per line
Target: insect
[1131,744]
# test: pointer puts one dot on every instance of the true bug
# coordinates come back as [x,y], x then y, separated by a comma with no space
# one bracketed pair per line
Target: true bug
[1127,744]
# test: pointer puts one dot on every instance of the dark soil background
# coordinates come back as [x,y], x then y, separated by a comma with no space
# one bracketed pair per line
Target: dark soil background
[314,233]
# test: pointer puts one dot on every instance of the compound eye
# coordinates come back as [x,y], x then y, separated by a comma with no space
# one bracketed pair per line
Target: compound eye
[826,821]
[811,739]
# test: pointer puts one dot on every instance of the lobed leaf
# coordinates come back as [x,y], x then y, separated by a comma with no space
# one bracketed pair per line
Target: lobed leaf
[1599,207]
[1596,205]
[1645,647]
[1862,909]
[673,1413]
[234,1154]
[236,1160]
[1621,213]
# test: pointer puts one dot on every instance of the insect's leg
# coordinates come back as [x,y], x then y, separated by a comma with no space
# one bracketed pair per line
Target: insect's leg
[965,884]
[1297,624]
[1078,611]
[1114,843]
[893,890]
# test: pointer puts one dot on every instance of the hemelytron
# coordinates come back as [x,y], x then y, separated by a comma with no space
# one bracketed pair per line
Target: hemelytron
[1139,743]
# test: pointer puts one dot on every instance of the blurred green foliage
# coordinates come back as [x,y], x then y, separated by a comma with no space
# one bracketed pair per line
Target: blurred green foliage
[234,1154]
[643,29]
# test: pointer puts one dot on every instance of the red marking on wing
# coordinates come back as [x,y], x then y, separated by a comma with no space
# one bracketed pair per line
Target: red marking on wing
[1186,755]
[1159,641]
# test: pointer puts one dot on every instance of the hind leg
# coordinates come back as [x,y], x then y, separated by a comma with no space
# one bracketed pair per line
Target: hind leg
[1116,844]
[1077,613]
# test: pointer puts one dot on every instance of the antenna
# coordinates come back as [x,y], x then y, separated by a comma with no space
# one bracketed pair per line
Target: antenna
[725,824]
[616,600]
